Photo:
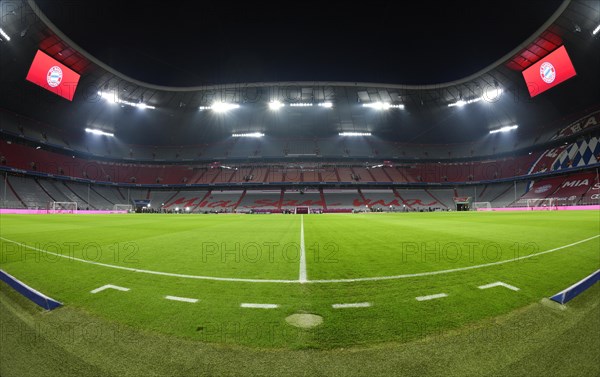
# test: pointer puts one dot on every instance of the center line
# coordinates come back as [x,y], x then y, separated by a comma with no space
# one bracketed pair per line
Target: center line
[302,277]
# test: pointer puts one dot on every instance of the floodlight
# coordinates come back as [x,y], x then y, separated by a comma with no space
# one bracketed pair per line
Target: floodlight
[222,107]
[249,134]
[354,134]
[98,132]
[504,129]
[114,98]
[4,35]
[383,106]
[461,102]
[275,105]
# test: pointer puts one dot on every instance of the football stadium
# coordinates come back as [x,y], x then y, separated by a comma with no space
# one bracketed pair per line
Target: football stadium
[315,191]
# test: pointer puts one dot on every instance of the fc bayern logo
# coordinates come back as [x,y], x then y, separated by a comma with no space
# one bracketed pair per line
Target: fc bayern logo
[54,76]
[547,72]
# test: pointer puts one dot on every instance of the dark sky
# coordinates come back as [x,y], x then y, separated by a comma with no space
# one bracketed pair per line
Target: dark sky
[417,42]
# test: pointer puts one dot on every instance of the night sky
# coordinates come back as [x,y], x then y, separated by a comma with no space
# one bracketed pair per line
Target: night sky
[422,42]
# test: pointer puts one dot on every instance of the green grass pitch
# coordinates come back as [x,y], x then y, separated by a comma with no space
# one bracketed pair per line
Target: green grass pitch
[385,260]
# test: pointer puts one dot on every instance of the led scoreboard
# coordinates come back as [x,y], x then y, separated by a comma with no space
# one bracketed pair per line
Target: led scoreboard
[549,71]
[53,76]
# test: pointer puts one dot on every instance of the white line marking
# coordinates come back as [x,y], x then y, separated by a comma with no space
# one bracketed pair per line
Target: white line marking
[354,305]
[376,278]
[302,278]
[431,297]
[498,284]
[109,286]
[182,299]
[259,306]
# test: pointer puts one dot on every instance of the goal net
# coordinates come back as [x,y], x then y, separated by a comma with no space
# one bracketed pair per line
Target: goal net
[123,207]
[62,207]
[548,204]
[481,206]
[301,210]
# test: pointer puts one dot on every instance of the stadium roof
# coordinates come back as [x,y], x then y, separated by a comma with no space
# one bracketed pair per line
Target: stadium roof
[425,118]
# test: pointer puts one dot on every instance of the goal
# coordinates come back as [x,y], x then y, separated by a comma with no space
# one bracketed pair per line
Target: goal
[301,210]
[62,207]
[481,206]
[548,204]
[123,207]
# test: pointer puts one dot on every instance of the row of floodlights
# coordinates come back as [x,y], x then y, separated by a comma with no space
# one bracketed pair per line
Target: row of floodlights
[383,106]
[223,107]
[490,96]
[351,133]
[260,134]
[114,99]
[276,105]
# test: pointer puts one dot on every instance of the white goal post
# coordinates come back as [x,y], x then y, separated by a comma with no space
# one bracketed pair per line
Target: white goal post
[301,210]
[481,206]
[62,207]
[123,207]
[548,204]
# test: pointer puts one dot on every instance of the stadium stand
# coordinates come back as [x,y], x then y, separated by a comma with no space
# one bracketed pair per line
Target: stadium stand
[30,193]
[41,166]
[293,199]
[592,196]
[260,199]
[573,187]
[342,199]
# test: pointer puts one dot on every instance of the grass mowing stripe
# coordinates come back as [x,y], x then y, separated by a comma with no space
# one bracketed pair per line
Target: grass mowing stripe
[393,277]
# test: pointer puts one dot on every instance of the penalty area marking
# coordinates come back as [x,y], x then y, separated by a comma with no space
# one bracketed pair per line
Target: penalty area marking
[259,306]
[109,286]
[353,305]
[182,299]
[376,278]
[431,297]
[499,284]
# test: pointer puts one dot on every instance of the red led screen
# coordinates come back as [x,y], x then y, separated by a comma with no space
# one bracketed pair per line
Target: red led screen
[549,71]
[53,76]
